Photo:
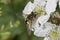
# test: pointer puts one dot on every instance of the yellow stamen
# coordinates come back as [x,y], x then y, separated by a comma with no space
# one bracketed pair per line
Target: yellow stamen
[53,34]
[37,10]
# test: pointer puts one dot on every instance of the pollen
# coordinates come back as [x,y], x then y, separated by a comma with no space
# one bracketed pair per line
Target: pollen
[37,10]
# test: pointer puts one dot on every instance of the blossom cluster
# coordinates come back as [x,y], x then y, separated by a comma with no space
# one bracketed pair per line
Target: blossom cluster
[47,22]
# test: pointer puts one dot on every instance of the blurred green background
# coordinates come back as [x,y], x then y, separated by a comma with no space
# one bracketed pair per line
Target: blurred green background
[12,26]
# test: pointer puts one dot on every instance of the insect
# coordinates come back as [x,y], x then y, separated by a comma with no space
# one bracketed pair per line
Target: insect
[30,18]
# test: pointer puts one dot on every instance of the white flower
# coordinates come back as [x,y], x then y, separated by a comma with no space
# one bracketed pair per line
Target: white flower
[49,31]
[41,20]
[28,8]
[43,31]
[51,6]
[53,35]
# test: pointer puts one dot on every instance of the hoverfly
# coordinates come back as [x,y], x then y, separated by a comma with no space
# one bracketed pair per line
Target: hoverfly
[30,18]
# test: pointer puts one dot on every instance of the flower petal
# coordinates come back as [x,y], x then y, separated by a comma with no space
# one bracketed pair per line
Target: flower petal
[40,3]
[40,21]
[44,30]
[28,8]
[43,19]
[51,6]
[40,32]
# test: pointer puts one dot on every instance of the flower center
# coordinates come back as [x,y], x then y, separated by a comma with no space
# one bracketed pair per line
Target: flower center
[53,34]
[37,10]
